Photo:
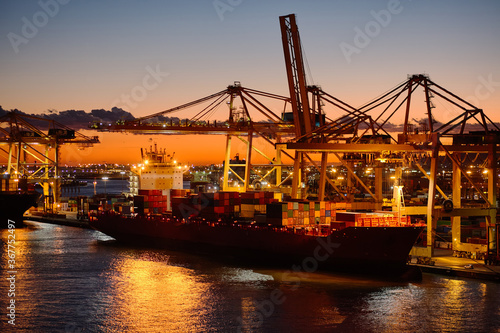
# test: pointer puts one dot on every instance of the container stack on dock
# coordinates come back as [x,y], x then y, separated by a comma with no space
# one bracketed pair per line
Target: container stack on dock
[9,184]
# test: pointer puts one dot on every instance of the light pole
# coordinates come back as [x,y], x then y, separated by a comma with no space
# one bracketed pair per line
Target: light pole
[122,173]
[105,179]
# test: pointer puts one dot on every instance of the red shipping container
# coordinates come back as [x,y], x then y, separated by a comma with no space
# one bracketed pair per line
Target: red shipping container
[145,192]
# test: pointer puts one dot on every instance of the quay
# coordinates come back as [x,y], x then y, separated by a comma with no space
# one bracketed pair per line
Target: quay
[66,218]
[444,263]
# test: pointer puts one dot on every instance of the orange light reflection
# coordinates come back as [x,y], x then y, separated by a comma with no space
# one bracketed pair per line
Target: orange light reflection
[154,294]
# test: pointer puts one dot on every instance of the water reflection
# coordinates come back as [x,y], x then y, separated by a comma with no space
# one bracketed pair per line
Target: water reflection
[148,292]
[74,280]
[448,305]
[20,271]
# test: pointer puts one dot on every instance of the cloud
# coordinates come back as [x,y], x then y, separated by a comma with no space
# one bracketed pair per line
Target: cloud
[76,119]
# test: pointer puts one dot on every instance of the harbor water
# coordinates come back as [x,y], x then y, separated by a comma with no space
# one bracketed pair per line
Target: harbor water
[65,279]
[110,186]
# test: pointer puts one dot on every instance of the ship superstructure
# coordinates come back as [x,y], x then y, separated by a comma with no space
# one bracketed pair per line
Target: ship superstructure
[158,171]
[158,174]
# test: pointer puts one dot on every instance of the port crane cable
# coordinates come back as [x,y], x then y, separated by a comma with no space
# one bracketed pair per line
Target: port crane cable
[180,107]
[269,114]
[392,114]
[210,107]
[383,95]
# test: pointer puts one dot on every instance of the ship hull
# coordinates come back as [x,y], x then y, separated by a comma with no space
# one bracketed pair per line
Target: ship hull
[13,205]
[372,250]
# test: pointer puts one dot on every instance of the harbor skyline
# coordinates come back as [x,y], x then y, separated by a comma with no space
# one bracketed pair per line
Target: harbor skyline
[150,56]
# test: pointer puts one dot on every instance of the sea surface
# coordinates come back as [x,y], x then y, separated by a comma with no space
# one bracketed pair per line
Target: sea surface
[110,186]
[78,280]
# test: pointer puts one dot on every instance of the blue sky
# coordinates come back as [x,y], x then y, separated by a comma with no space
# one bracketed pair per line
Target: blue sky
[90,52]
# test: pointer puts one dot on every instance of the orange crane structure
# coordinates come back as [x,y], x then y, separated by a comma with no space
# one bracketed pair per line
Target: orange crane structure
[33,154]
[358,135]
[239,124]
[361,136]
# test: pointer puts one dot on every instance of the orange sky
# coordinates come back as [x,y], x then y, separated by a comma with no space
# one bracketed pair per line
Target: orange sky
[189,149]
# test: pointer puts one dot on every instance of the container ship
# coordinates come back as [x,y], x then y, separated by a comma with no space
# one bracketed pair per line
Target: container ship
[257,227]
[16,197]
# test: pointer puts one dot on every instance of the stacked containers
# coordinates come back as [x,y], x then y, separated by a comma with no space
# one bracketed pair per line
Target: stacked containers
[72,205]
[154,201]
[206,205]
[307,213]
[185,207]
[226,203]
[255,203]
[351,219]
[215,205]
[378,220]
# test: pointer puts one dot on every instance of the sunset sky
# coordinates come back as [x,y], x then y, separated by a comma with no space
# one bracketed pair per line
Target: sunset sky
[83,55]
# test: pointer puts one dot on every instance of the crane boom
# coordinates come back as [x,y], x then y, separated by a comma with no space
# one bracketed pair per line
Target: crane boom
[296,75]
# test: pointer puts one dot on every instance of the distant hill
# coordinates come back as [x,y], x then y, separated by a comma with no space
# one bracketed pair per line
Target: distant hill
[78,119]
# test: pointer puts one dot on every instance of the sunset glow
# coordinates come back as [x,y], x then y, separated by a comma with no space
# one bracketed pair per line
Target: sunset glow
[145,57]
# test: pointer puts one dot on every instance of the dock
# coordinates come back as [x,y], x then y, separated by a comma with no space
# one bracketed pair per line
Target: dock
[69,220]
[444,263]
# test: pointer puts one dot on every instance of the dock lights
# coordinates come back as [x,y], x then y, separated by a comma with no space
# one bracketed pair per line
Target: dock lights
[105,179]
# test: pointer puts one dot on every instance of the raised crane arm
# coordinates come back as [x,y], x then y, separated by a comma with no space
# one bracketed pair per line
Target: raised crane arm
[296,75]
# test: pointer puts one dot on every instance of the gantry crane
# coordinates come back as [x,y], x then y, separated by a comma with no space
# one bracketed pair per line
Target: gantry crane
[240,123]
[358,135]
[30,148]
[361,134]
[466,131]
